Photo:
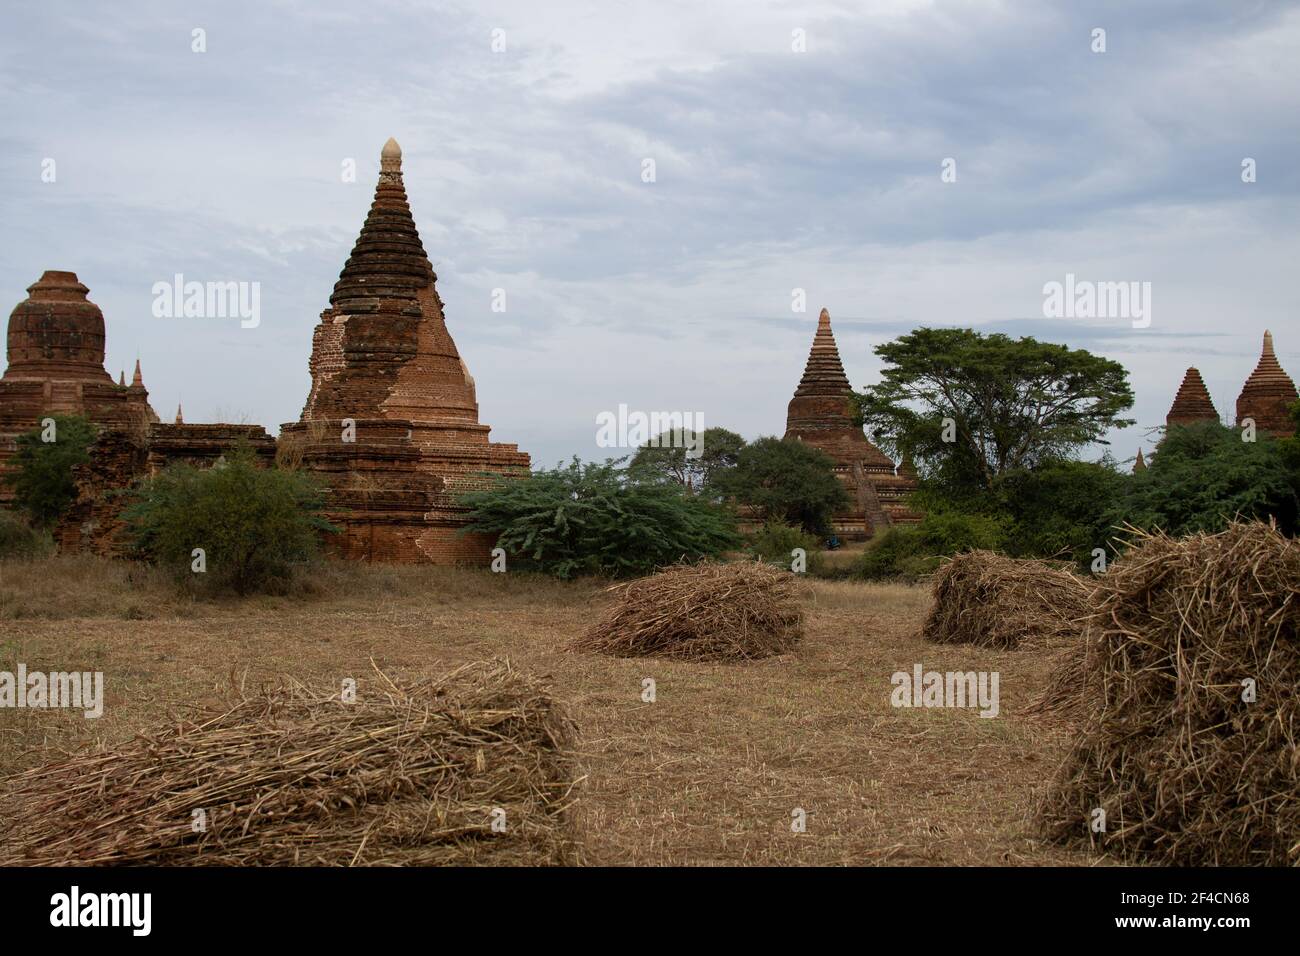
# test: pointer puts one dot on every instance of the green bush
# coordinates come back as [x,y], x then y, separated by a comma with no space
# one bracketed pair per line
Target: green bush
[598,519]
[42,476]
[254,525]
[785,481]
[775,542]
[1061,509]
[911,551]
[1203,475]
[18,539]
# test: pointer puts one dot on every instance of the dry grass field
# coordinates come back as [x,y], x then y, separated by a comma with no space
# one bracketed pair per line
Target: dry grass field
[707,774]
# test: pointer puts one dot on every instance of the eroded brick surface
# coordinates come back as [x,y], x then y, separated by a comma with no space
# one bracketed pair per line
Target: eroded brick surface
[391,420]
[56,366]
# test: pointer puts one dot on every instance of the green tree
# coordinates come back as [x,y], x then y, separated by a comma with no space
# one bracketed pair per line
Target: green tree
[775,543]
[786,481]
[1203,475]
[43,464]
[667,455]
[599,519]
[1061,509]
[970,408]
[253,525]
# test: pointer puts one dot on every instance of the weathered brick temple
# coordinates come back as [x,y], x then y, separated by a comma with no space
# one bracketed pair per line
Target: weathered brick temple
[390,425]
[822,414]
[1264,399]
[56,367]
[391,420]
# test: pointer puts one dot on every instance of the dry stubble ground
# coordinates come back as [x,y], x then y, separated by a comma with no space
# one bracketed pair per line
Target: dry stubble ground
[707,774]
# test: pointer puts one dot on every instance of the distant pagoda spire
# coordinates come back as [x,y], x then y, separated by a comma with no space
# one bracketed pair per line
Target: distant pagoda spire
[121,378]
[1139,464]
[1192,403]
[179,418]
[823,406]
[1267,394]
[137,380]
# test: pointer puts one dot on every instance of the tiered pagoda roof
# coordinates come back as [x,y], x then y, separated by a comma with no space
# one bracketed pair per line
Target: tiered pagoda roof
[1192,403]
[1267,394]
[822,410]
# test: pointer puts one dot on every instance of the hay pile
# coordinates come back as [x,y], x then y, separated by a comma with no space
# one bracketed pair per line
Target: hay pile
[704,612]
[409,774]
[1187,772]
[1072,689]
[990,600]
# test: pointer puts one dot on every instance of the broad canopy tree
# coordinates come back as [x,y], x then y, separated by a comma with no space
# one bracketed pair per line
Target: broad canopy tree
[667,454]
[786,481]
[969,408]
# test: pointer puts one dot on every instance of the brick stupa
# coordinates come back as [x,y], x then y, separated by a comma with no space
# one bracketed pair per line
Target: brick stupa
[822,414]
[391,420]
[56,367]
[1267,395]
[1192,404]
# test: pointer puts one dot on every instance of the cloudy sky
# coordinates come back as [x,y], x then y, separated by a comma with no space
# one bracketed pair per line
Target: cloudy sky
[776,168]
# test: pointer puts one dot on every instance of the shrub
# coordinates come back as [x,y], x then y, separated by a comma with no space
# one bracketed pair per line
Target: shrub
[774,543]
[1061,509]
[42,476]
[912,551]
[1203,476]
[598,519]
[785,481]
[18,539]
[254,525]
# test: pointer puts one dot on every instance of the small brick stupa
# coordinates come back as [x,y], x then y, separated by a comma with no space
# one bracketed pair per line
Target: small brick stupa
[391,421]
[1267,395]
[1192,404]
[822,415]
[56,367]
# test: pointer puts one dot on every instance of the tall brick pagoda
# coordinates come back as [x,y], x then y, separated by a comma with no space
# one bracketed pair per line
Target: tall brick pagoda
[391,420]
[1192,403]
[821,413]
[1267,395]
[56,366]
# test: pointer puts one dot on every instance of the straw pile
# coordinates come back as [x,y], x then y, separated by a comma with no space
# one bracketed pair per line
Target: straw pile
[990,600]
[704,612]
[408,774]
[1187,771]
[1071,690]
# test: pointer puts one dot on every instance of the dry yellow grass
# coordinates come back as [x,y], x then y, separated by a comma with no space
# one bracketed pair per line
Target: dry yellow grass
[707,774]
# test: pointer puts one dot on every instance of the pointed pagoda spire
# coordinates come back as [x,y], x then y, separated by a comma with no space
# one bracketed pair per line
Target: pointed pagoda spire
[1267,394]
[1139,464]
[822,411]
[137,380]
[179,419]
[907,467]
[824,373]
[388,265]
[121,378]
[1192,403]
